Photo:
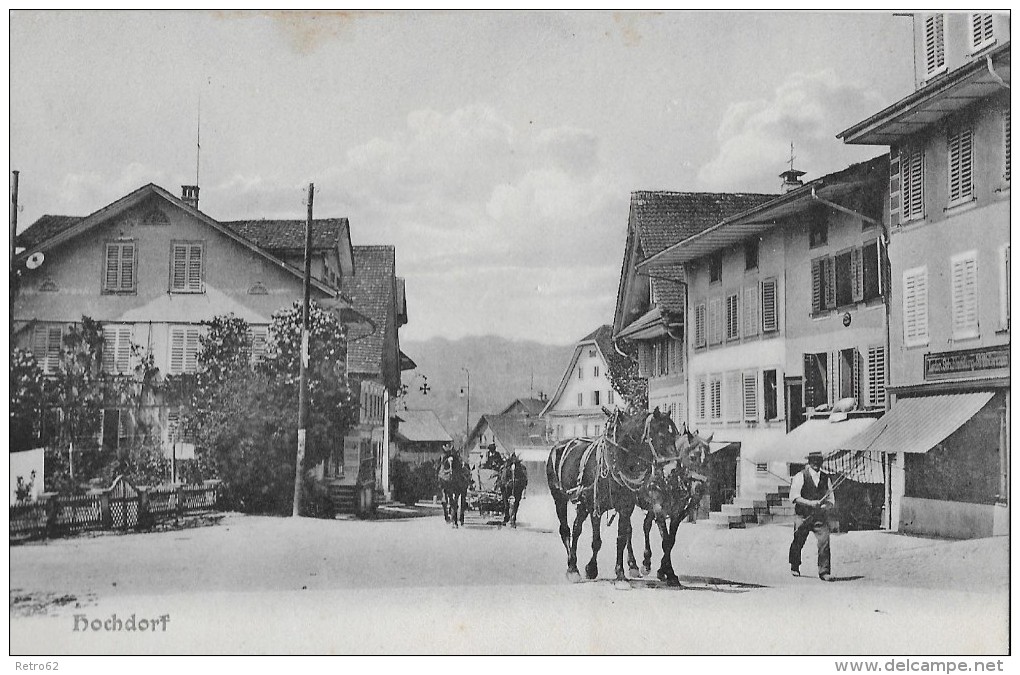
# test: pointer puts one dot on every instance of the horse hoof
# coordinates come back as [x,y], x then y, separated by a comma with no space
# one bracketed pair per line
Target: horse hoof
[591,572]
[646,570]
[635,572]
[622,585]
[574,577]
[673,582]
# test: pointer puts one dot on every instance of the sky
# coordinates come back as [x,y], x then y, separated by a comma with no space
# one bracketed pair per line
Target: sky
[496,150]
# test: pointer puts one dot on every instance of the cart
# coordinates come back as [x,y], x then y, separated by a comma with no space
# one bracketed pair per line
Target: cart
[483,495]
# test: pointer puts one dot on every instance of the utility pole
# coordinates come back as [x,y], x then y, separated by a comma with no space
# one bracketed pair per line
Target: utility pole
[303,386]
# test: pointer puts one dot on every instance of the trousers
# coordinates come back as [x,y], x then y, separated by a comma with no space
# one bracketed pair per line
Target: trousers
[803,526]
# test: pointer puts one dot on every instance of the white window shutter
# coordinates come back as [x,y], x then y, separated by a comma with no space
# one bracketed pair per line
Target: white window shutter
[699,325]
[109,348]
[751,396]
[876,376]
[123,363]
[769,306]
[195,267]
[112,279]
[964,295]
[960,171]
[834,376]
[752,311]
[913,187]
[699,397]
[191,350]
[179,267]
[915,307]
[1004,293]
[715,397]
[934,44]
[894,186]
[857,272]
[1005,145]
[830,282]
[177,339]
[127,267]
[981,30]
[732,316]
[817,284]
[715,321]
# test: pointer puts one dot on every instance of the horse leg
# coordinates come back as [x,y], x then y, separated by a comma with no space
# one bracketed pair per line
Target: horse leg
[517,506]
[575,534]
[668,533]
[453,508]
[632,565]
[446,506]
[463,505]
[591,570]
[646,561]
[623,535]
[506,505]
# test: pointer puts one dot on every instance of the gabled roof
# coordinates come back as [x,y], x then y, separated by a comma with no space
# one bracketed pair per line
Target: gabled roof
[401,302]
[421,426]
[513,431]
[659,220]
[57,230]
[532,406]
[602,338]
[287,237]
[372,292]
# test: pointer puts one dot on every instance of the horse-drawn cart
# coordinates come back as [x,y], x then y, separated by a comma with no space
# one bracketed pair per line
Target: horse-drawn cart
[483,495]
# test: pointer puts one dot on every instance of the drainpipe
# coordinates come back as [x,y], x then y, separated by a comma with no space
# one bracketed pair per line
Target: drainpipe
[991,71]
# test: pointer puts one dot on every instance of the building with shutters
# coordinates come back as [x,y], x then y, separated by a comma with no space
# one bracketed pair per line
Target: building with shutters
[787,316]
[151,268]
[946,436]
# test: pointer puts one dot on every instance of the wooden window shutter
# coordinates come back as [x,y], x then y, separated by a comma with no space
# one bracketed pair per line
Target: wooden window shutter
[829,266]
[46,341]
[179,268]
[699,325]
[177,338]
[876,376]
[751,396]
[715,397]
[769,306]
[1004,293]
[732,316]
[981,30]
[699,397]
[112,278]
[960,165]
[857,270]
[1005,144]
[734,396]
[127,267]
[913,186]
[195,267]
[835,370]
[859,384]
[964,295]
[915,307]
[109,359]
[894,186]
[817,285]
[715,321]
[752,311]
[934,44]
[123,357]
[644,359]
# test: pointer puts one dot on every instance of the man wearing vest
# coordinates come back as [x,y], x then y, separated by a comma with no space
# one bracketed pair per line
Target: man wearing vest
[812,500]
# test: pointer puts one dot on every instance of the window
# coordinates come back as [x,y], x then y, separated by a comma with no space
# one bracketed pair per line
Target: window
[906,186]
[732,316]
[715,267]
[715,321]
[1004,287]
[769,306]
[847,377]
[751,254]
[580,400]
[610,396]
[661,356]
[751,396]
[186,269]
[595,398]
[116,349]
[645,359]
[184,348]
[580,373]
[843,265]
[964,297]
[700,392]
[846,278]
[699,325]
[915,307]
[876,377]
[585,433]
[761,467]
[598,429]
[591,353]
[258,342]
[715,397]
[1005,145]
[871,286]
[119,275]
[595,371]
[816,380]
[46,343]
[823,282]
[769,394]
[981,31]
[752,311]
[961,166]
[934,45]
[818,233]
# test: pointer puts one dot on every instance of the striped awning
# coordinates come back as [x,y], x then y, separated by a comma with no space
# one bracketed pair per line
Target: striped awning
[919,423]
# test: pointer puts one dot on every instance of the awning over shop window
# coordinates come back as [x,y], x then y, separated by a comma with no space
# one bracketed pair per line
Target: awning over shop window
[918,424]
[811,436]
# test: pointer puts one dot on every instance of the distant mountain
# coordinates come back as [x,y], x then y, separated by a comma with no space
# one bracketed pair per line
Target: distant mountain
[501,370]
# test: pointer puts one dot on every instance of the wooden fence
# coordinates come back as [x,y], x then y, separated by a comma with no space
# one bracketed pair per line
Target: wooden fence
[122,506]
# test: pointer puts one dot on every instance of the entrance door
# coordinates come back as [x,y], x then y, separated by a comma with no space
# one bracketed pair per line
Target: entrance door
[723,486]
[794,403]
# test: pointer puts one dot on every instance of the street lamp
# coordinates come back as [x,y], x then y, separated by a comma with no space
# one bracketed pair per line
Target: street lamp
[466,392]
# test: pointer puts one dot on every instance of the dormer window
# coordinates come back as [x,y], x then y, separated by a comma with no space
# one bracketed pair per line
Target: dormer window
[981,31]
[934,45]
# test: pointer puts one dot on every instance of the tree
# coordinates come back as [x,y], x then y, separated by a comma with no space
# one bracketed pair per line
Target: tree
[623,374]
[26,396]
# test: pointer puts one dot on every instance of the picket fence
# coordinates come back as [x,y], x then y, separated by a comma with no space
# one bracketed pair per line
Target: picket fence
[121,506]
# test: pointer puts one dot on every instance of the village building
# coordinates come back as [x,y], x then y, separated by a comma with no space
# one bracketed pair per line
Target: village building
[420,437]
[787,318]
[578,407]
[946,435]
[517,429]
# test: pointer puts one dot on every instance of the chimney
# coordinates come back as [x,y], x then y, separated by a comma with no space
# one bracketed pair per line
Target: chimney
[791,179]
[189,195]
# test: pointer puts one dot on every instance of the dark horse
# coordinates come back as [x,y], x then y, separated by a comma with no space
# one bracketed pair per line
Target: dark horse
[606,474]
[454,479]
[513,479]
[677,485]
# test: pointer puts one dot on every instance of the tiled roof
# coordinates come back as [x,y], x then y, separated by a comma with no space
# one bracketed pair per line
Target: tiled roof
[532,406]
[44,228]
[371,291]
[515,431]
[421,426]
[281,235]
[602,336]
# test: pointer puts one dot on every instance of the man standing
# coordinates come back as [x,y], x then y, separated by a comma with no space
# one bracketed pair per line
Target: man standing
[811,495]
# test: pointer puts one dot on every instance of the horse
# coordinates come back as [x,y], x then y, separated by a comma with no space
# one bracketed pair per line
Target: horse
[454,479]
[674,493]
[513,480]
[606,474]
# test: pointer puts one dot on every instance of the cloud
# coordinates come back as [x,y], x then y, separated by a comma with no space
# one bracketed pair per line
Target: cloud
[808,109]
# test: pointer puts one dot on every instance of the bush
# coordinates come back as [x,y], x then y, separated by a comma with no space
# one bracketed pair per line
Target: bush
[315,500]
[413,483]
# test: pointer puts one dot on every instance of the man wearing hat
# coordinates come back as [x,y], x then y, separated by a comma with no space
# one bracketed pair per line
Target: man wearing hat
[811,495]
